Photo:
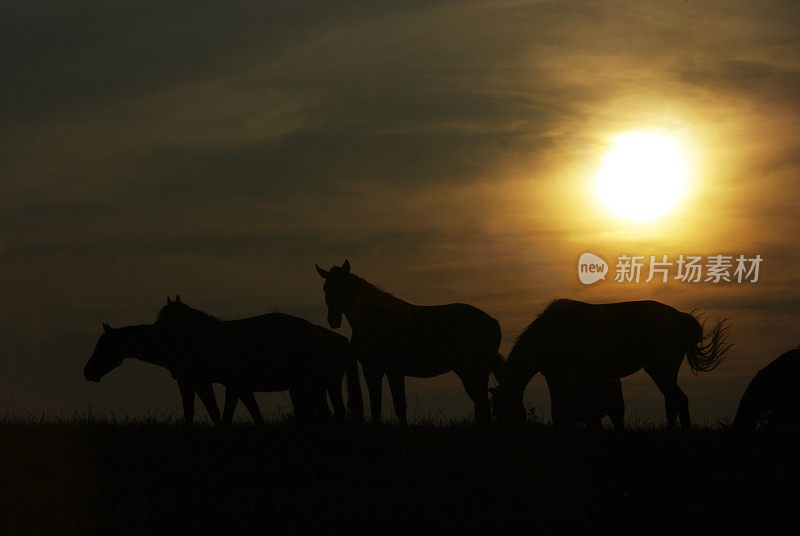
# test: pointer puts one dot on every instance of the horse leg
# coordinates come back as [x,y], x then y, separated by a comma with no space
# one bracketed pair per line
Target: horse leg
[477,387]
[676,403]
[590,401]
[558,414]
[617,417]
[337,401]
[616,407]
[300,402]
[569,417]
[206,394]
[593,423]
[187,396]
[231,400]
[556,409]
[249,401]
[570,420]
[374,380]
[397,385]
[319,396]
[682,401]
[564,406]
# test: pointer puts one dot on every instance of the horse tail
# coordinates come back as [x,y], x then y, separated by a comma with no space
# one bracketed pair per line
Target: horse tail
[707,348]
[355,402]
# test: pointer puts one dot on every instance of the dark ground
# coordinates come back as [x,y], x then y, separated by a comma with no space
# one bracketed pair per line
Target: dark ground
[151,477]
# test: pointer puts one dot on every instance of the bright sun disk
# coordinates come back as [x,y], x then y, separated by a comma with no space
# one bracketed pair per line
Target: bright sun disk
[642,176]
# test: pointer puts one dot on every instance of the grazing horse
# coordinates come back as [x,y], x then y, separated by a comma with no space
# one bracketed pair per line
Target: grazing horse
[398,339]
[573,342]
[151,344]
[271,352]
[773,395]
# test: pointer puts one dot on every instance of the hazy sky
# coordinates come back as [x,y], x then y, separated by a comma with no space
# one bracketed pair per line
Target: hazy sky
[448,150]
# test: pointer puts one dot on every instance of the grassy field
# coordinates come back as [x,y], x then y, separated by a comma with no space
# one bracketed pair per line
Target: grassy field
[158,477]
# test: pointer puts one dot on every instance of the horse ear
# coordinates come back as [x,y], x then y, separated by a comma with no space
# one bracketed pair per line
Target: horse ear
[168,301]
[346,266]
[321,272]
[106,327]
[177,298]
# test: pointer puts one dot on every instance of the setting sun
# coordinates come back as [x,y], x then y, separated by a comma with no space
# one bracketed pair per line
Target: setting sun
[642,176]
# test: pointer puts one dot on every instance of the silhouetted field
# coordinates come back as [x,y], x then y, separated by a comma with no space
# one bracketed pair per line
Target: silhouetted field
[160,477]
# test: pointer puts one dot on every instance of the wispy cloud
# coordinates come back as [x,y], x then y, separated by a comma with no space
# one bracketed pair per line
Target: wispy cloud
[447,148]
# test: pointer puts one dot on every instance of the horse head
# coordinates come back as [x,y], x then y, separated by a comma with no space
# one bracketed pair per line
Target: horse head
[175,311]
[177,314]
[338,283]
[106,356]
[506,407]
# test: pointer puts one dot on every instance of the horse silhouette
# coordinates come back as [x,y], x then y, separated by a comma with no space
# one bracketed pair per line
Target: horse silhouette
[151,344]
[572,341]
[271,352]
[291,354]
[398,339]
[773,395]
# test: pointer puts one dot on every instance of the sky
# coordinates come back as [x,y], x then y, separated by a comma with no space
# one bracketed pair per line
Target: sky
[448,150]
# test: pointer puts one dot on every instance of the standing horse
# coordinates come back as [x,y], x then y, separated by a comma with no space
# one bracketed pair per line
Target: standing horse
[151,344]
[573,342]
[398,339]
[271,352]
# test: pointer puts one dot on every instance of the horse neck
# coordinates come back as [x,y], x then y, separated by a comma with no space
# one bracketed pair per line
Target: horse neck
[370,304]
[754,402]
[145,343]
[520,367]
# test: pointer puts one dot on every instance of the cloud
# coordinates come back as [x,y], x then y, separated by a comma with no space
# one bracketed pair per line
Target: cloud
[446,148]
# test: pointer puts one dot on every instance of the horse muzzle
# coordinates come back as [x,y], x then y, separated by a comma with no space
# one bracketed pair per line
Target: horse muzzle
[91,378]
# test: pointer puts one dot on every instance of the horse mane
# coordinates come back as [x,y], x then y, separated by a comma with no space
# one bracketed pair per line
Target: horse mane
[187,312]
[362,283]
[532,325]
[359,284]
[370,295]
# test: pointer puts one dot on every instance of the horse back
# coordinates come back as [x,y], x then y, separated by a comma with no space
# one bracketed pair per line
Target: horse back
[610,340]
[455,328]
[645,322]
[457,324]
[275,347]
[781,379]
[787,365]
